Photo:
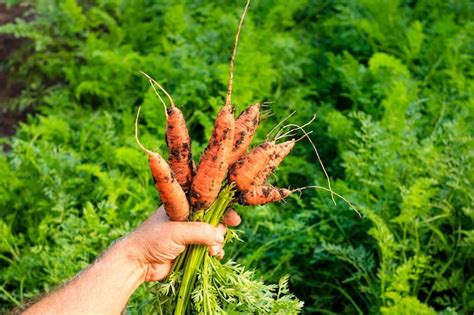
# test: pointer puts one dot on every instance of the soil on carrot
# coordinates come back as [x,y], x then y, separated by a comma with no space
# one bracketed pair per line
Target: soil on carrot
[9,119]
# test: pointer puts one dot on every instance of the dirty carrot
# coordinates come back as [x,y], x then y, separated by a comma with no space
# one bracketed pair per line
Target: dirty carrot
[214,163]
[245,126]
[178,140]
[171,194]
[280,151]
[243,173]
[179,147]
[212,168]
[260,195]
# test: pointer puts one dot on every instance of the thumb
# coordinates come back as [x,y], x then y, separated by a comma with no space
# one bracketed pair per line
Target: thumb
[200,233]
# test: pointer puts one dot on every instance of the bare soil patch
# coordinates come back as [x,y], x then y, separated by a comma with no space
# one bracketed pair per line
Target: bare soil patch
[9,118]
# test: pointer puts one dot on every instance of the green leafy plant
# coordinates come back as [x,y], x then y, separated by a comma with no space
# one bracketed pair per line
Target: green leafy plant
[390,82]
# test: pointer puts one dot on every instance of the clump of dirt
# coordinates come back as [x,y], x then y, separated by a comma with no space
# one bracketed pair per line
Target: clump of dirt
[9,118]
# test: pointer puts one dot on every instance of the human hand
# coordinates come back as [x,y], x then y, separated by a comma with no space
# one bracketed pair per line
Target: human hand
[158,241]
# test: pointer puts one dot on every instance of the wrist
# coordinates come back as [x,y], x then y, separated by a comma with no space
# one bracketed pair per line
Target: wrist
[125,251]
[103,288]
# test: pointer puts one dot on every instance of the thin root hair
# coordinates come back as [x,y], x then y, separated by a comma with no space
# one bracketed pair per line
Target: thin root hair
[304,136]
[332,193]
[153,81]
[266,111]
[288,134]
[137,140]
[298,127]
[232,58]
[279,124]
[291,134]
[266,114]
[159,96]
[317,155]
[299,191]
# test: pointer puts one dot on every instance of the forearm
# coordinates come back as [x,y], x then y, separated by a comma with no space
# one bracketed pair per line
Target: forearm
[103,288]
[147,254]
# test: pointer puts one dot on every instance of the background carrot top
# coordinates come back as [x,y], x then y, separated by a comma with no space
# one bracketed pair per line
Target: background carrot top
[390,83]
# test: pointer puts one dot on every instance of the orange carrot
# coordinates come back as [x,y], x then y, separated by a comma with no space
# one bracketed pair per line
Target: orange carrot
[171,194]
[245,126]
[212,168]
[179,147]
[178,140]
[214,163]
[244,172]
[280,151]
[260,195]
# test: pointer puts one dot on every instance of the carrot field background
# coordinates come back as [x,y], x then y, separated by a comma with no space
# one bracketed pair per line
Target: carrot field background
[391,83]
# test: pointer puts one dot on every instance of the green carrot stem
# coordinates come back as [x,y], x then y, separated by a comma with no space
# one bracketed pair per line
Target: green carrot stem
[178,263]
[193,257]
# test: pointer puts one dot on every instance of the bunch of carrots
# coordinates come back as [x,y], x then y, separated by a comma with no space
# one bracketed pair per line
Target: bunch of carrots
[227,172]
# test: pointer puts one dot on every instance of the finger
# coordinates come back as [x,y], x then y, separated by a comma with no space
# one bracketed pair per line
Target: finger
[158,272]
[232,218]
[221,229]
[214,250]
[187,233]
[220,254]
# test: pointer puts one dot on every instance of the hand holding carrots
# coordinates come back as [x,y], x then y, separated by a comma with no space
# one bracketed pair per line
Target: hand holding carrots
[229,171]
[158,241]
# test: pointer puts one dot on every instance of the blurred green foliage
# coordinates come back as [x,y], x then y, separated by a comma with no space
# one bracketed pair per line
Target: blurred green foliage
[391,84]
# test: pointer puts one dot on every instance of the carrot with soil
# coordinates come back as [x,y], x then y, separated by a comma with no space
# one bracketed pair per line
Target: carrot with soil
[215,160]
[243,173]
[171,193]
[280,151]
[212,168]
[245,126]
[260,195]
[178,140]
